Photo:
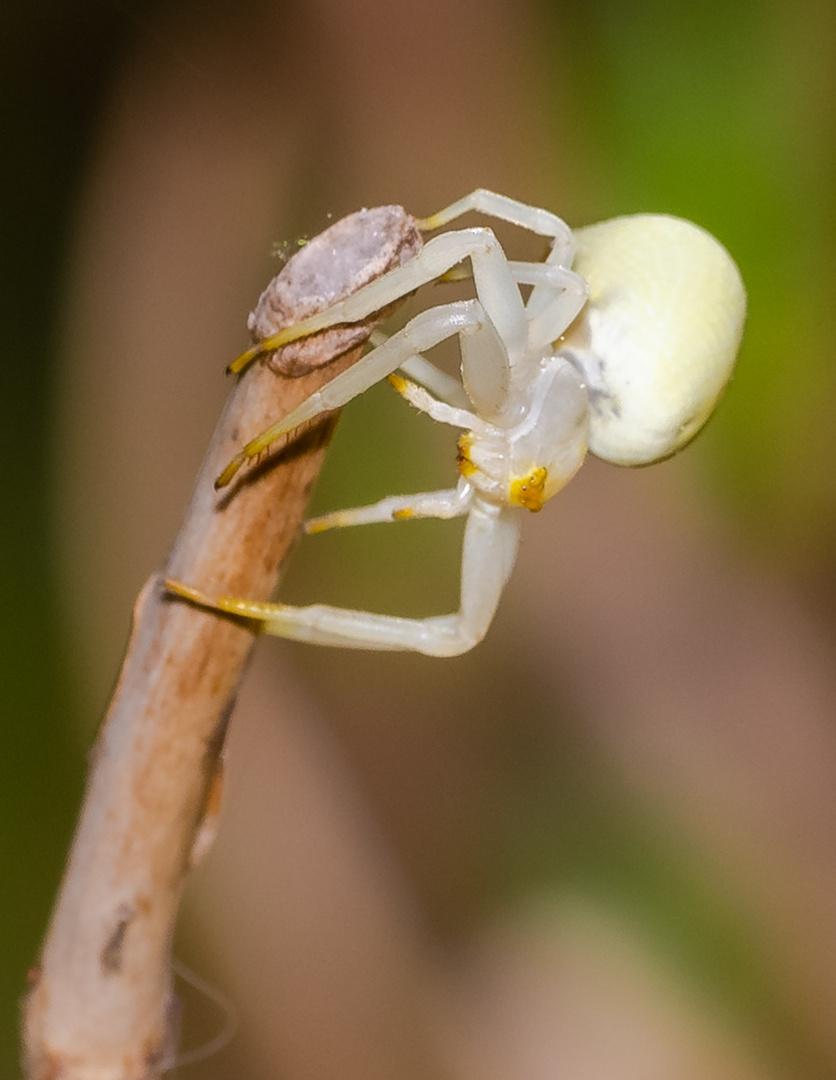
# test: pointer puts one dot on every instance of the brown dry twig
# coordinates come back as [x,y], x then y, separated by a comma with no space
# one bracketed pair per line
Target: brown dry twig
[100,1003]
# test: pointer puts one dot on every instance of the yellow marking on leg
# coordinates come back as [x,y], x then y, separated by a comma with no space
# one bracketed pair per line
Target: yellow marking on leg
[255,447]
[324,523]
[527,491]
[434,221]
[245,359]
[462,272]
[246,609]
[302,329]
[463,460]
[410,391]
[230,471]
[404,514]
[317,526]
[187,592]
[258,610]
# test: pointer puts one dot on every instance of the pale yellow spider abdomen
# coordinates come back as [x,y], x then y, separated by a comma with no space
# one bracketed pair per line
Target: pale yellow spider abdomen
[659,336]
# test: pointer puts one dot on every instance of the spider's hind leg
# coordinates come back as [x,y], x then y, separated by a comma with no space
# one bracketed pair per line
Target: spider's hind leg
[490,546]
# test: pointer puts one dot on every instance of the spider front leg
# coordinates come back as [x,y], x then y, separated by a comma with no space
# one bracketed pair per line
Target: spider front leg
[541,222]
[466,318]
[557,298]
[495,288]
[421,333]
[490,546]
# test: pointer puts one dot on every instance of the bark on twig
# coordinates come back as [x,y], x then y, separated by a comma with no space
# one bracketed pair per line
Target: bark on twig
[100,1004]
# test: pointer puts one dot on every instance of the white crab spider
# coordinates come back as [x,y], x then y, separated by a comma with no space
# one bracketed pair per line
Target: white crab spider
[623,347]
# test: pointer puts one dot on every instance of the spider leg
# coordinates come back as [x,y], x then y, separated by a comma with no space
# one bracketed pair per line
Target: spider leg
[425,330]
[423,400]
[490,546]
[555,302]
[423,371]
[437,504]
[465,317]
[494,286]
[438,382]
[434,504]
[557,298]
[528,217]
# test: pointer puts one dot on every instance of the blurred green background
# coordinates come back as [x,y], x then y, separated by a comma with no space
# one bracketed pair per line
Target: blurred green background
[153,154]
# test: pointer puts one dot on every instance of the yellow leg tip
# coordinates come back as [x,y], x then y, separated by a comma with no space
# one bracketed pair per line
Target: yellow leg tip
[317,525]
[230,471]
[186,592]
[302,329]
[245,359]
[427,224]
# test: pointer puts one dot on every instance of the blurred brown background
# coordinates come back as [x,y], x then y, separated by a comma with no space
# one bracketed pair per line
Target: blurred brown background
[603,844]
